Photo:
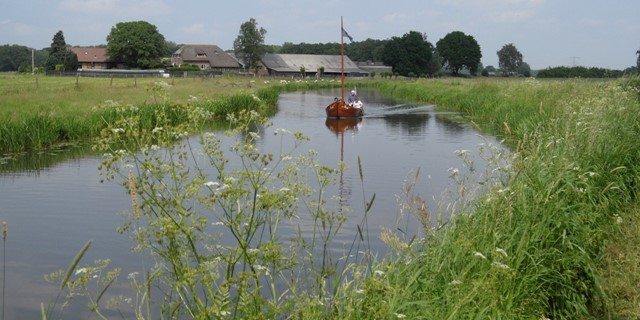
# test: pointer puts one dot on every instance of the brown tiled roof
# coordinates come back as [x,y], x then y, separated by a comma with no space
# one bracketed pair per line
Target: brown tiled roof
[98,55]
[198,53]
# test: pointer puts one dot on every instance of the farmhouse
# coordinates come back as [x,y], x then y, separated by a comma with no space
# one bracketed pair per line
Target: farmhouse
[294,64]
[206,57]
[92,58]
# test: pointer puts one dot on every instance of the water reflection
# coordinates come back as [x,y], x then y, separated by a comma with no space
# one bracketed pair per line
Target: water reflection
[339,126]
[36,161]
[413,125]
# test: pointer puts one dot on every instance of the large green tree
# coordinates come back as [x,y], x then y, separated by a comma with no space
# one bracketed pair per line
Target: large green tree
[459,51]
[60,58]
[249,45]
[509,59]
[408,55]
[14,57]
[367,50]
[137,44]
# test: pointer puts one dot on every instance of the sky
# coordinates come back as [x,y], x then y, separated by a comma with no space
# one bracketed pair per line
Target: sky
[548,33]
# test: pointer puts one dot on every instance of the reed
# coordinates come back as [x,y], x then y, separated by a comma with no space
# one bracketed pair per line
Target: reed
[5,232]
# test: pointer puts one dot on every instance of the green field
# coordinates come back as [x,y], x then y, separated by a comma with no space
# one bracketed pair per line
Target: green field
[40,111]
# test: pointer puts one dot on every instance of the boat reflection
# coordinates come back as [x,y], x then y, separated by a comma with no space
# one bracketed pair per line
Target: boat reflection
[343,124]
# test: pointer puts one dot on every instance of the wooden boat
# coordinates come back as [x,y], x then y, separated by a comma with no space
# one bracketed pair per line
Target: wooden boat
[339,108]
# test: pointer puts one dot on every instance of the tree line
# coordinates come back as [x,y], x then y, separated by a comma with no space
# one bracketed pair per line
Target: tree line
[140,45]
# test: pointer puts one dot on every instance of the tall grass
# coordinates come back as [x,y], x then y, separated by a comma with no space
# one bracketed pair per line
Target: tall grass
[531,247]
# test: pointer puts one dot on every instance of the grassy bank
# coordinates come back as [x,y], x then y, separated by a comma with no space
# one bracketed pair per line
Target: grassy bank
[38,112]
[533,247]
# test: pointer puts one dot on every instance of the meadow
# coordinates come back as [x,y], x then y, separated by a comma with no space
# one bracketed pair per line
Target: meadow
[40,111]
[553,239]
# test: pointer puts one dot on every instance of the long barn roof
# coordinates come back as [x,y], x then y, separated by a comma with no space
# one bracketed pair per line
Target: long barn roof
[310,62]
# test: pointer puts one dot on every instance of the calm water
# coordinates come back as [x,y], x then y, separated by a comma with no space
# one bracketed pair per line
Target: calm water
[52,211]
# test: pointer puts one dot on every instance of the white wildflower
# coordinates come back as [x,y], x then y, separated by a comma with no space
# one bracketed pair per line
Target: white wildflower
[455,282]
[117,130]
[379,273]
[359,291]
[219,223]
[478,254]
[499,265]
[502,252]
[281,131]
[211,184]
[81,271]
[156,130]
[154,147]
[400,315]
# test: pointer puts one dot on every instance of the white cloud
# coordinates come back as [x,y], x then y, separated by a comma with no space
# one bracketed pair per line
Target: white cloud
[501,10]
[24,29]
[197,28]
[120,8]
[393,17]
[513,10]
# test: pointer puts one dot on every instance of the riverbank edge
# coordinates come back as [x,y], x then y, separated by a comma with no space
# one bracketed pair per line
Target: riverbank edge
[553,242]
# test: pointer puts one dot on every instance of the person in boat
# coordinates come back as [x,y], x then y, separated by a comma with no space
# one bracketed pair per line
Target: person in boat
[352,98]
[357,103]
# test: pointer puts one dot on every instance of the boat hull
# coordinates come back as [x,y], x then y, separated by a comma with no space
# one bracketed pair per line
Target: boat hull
[339,109]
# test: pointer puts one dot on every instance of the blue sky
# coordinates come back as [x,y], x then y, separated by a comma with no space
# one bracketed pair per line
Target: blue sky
[547,32]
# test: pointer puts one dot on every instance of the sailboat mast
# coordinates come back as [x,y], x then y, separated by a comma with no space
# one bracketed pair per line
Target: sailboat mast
[342,54]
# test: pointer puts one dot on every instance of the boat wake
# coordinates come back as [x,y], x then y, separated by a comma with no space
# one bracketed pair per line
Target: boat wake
[400,109]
